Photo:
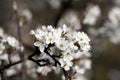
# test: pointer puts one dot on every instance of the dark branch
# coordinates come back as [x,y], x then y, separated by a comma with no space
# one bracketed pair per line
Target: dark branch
[38,61]
[9,65]
[57,62]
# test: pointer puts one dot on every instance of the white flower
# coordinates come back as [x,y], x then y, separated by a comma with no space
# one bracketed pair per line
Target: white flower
[86,54]
[92,14]
[44,70]
[83,41]
[78,76]
[13,42]
[55,4]
[71,19]
[27,14]
[41,45]
[50,28]
[77,55]
[80,54]
[72,36]
[50,38]
[72,46]
[57,34]
[86,63]
[114,15]
[32,32]
[68,55]
[1,32]
[40,34]
[85,47]
[65,29]
[4,57]
[44,28]
[11,72]
[66,64]
[82,38]
[62,44]
[79,70]
[2,48]
[15,57]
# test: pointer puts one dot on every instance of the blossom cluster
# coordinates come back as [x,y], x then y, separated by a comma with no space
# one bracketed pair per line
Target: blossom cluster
[71,48]
[8,44]
[110,27]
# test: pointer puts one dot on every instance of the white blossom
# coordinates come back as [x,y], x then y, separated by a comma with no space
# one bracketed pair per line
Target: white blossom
[44,70]
[13,42]
[66,64]
[78,77]
[1,32]
[73,46]
[86,63]
[83,41]
[114,15]
[11,72]
[41,45]
[27,14]
[79,70]
[2,48]
[82,38]
[50,38]
[71,19]
[69,45]
[85,47]
[62,44]
[91,15]
[4,57]
[54,3]
[15,57]
[68,55]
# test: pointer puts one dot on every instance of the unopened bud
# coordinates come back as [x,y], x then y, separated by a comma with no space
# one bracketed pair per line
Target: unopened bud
[21,22]
[14,5]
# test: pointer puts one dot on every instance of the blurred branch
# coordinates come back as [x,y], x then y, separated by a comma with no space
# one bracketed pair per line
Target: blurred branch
[2,68]
[17,19]
[15,8]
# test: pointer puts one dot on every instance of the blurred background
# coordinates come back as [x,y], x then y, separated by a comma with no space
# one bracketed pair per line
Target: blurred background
[100,19]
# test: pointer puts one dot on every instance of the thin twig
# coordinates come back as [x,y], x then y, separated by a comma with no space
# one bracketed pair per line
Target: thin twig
[9,65]
[37,62]
[20,39]
[57,62]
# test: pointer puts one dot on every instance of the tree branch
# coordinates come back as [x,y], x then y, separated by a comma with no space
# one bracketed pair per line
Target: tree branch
[2,68]
[23,72]
[37,61]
